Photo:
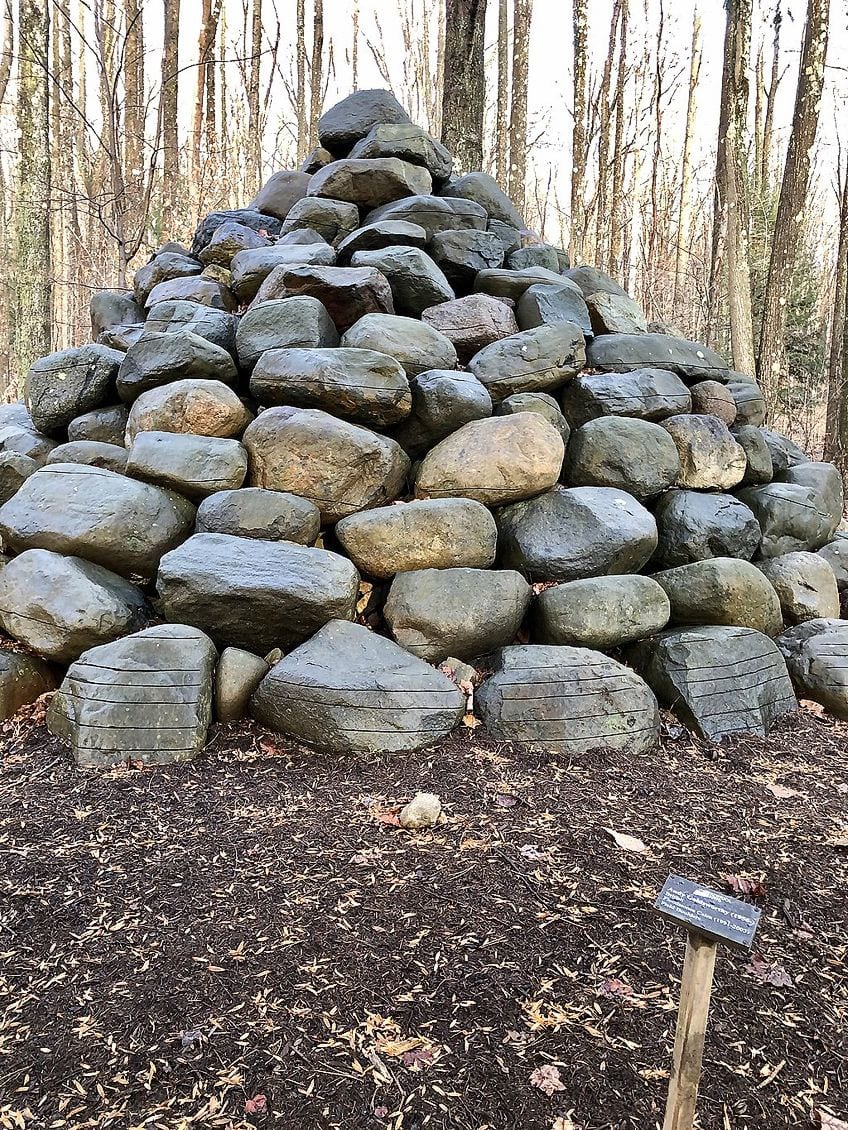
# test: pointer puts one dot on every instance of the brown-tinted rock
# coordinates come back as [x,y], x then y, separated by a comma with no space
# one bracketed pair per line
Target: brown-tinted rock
[370,182]
[472,323]
[712,398]
[710,458]
[204,408]
[347,293]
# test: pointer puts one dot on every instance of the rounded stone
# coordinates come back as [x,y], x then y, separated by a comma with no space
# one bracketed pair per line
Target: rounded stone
[416,281]
[571,533]
[805,585]
[600,612]
[749,401]
[695,526]
[835,554]
[65,384]
[535,360]
[339,466]
[15,469]
[633,455]
[494,461]
[710,458]
[815,656]
[539,402]
[646,394]
[712,398]
[162,358]
[252,512]
[436,613]
[615,314]
[791,516]
[195,466]
[471,323]
[758,463]
[442,401]
[23,679]
[550,304]
[415,345]
[102,425]
[201,407]
[299,322]
[89,451]
[722,590]
[280,192]
[237,676]
[436,533]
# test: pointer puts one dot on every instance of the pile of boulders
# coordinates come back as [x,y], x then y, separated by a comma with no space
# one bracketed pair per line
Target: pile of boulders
[369,457]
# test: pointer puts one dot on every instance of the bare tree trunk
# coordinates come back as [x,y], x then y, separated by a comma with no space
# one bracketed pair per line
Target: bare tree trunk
[793,192]
[836,440]
[168,112]
[210,126]
[464,89]
[134,97]
[601,215]
[578,134]
[316,69]
[522,15]
[354,51]
[684,209]
[501,137]
[771,98]
[33,299]
[254,140]
[300,71]
[619,155]
[203,52]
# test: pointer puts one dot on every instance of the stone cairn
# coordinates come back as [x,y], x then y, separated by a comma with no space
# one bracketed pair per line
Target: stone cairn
[368,431]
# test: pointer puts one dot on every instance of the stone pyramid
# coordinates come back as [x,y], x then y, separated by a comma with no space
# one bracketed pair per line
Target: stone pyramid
[369,457]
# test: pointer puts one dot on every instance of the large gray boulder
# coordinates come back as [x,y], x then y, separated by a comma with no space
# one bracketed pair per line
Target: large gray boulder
[437,613]
[348,121]
[333,220]
[408,142]
[195,466]
[615,314]
[15,469]
[536,360]
[60,606]
[416,281]
[23,679]
[569,534]
[472,323]
[571,700]
[591,280]
[167,266]
[805,584]
[500,282]
[550,304]
[722,590]
[815,653]
[252,267]
[104,517]
[633,455]
[646,394]
[199,288]
[748,398]
[501,459]
[249,217]
[360,384]
[145,698]
[369,182]
[161,358]
[203,408]
[835,554]
[791,516]
[347,293]
[784,453]
[600,612]
[759,468]
[176,316]
[539,402]
[65,384]
[230,239]
[350,690]
[112,308]
[101,425]
[255,594]
[385,233]
[108,455]
[270,515]
[696,525]
[25,441]
[280,192]
[431,534]
[416,345]
[433,213]
[442,401]
[299,322]
[623,352]
[719,681]
[461,254]
[485,191]
[237,676]
[825,481]
[710,458]
[339,466]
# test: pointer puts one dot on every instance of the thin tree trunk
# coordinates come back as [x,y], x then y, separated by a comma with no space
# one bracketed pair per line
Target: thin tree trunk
[211,121]
[601,218]
[31,319]
[168,113]
[502,103]
[835,441]
[354,51]
[254,140]
[300,71]
[619,155]
[316,69]
[133,94]
[793,193]
[578,134]
[464,88]
[771,98]
[203,50]
[522,15]
[684,209]
[734,161]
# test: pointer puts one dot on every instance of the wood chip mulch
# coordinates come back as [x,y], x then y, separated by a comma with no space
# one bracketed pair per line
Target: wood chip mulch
[252,941]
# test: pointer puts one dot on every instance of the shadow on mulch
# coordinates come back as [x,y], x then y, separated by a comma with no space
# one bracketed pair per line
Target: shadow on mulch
[249,941]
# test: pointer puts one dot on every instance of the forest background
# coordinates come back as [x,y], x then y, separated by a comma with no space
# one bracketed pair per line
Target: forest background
[697,150]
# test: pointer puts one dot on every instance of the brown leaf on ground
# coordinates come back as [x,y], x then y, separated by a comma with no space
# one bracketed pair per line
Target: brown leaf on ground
[782,792]
[745,887]
[827,1121]
[628,843]
[769,972]
[547,1079]
[613,987]
[257,1105]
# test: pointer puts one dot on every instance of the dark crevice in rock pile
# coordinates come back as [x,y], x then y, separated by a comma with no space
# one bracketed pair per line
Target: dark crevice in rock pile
[368,439]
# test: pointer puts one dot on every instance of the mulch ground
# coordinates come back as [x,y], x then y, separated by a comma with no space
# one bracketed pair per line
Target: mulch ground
[250,941]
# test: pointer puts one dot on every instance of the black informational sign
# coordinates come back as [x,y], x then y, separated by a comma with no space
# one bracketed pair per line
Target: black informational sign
[714,915]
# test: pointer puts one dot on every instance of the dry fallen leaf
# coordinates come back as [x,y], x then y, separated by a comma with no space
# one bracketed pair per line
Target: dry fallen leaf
[828,1121]
[613,987]
[627,843]
[257,1105]
[748,888]
[418,1058]
[769,972]
[471,721]
[505,800]
[782,792]
[547,1079]
[532,852]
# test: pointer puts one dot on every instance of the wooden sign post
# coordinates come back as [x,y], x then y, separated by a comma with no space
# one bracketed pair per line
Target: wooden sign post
[709,917]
